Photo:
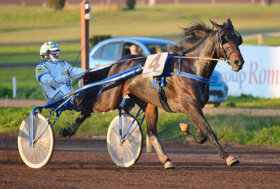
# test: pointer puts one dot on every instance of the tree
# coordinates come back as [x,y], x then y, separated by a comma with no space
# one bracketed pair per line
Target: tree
[130,4]
[97,38]
[56,4]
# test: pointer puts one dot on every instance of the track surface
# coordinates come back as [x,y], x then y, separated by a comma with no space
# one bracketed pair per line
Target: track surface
[85,163]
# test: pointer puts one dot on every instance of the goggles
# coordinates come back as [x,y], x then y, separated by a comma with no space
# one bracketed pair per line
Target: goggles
[54,52]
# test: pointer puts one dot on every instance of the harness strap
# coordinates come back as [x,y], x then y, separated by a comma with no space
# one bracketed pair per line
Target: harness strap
[201,79]
[162,96]
[160,82]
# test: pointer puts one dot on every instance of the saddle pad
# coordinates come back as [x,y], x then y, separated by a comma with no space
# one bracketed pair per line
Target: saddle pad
[154,64]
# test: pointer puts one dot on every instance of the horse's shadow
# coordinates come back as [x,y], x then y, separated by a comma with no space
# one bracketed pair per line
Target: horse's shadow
[186,166]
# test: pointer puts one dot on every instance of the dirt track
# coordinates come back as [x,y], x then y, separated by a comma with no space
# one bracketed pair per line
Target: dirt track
[85,163]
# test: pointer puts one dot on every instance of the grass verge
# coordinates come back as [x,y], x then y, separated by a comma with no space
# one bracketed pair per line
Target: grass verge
[254,130]
[248,101]
[38,24]
[21,25]
[29,88]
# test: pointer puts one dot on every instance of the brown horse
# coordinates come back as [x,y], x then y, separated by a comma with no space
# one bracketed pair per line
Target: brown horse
[183,94]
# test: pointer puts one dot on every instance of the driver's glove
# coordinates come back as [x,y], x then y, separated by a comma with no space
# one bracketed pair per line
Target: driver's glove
[69,83]
[65,79]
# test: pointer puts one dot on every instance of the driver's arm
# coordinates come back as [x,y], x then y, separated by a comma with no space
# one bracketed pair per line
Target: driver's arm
[74,72]
[44,76]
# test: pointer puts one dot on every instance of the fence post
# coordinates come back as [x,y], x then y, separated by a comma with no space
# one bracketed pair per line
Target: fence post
[260,39]
[152,3]
[6,101]
[14,87]
[85,17]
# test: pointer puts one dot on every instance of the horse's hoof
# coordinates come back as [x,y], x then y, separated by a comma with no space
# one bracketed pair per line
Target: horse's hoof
[231,161]
[169,165]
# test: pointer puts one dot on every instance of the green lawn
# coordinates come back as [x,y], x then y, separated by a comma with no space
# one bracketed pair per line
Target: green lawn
[38,24]
[27,85]
[256,130]
[21,26]
[30,53]
[247,101]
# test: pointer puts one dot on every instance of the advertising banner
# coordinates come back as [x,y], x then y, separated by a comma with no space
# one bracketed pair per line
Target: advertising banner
[260,76]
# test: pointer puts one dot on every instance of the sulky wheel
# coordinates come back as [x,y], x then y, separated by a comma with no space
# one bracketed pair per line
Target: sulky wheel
[126,152]
[40,154]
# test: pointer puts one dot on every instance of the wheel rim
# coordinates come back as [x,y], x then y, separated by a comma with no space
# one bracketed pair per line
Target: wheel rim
[41,153]
[126,153]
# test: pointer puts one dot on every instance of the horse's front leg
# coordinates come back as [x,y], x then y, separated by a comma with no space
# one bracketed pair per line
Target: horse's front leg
[202,125]
[151,114]
[200,139]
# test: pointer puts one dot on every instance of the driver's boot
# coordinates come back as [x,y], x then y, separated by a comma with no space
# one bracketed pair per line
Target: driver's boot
[78,102]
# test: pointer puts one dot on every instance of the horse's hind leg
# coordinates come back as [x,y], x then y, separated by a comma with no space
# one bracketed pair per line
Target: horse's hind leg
[201,124]
[108,100]
[71,130]
[151,114]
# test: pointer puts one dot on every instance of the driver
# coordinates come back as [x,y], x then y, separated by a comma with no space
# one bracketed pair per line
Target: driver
[55,75]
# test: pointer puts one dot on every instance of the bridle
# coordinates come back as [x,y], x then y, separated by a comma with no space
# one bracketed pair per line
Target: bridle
[220,43]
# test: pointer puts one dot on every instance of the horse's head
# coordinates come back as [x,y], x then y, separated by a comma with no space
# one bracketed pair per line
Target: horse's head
[228,41]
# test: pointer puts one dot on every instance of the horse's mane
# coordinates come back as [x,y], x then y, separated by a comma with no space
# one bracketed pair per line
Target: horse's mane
[194,35]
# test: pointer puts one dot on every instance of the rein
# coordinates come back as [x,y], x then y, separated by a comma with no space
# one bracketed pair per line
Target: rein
[184,57]
[220,44]
[179,57]
[201,58]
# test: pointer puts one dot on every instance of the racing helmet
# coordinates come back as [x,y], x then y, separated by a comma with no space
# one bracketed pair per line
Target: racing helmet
[48,48]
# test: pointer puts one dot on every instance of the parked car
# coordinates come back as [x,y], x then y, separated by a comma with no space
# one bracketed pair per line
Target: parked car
[113,49]
[218,89]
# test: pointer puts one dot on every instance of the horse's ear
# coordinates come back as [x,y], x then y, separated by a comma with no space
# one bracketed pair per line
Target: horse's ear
[215,25]
[229,22]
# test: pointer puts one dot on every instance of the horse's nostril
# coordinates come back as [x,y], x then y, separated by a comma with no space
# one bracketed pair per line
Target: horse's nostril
[236,62]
